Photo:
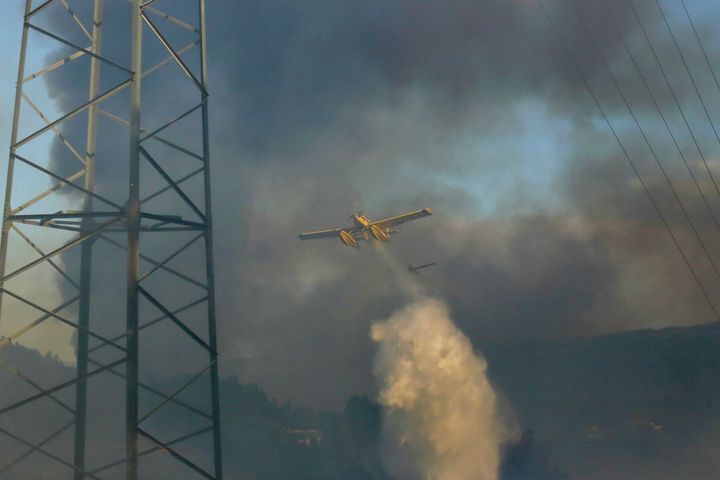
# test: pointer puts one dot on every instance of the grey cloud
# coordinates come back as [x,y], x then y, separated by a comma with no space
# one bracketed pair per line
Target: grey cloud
[319,108]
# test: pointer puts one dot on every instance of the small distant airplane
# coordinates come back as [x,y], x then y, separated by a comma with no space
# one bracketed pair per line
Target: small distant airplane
[364,227]
[415,269]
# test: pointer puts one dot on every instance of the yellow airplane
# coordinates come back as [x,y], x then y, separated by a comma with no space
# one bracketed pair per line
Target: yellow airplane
[364,227]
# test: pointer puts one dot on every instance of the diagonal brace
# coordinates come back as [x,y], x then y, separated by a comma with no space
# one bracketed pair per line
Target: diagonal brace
[155,262]
[64,180]
[168,187]
[38,9]
[61,386]
[172,19]
[79,48]
[42,254]
[53,66]
[23,330]
[172,396]
[15,371]
[171,122]
[155,448]
[176,320]
[151,322]
[173,53]
[172,183]
[173,255]
[47,454]
[55,130]
[58,317]
[175,454]
[103,96]
[35,448]
[77,240]
[157,392]
[49,191]
[76,18]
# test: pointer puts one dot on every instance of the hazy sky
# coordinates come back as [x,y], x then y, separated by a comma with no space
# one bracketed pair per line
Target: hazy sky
[473,108]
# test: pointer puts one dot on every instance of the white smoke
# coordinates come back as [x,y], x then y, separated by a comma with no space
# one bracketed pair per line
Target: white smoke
[442,417]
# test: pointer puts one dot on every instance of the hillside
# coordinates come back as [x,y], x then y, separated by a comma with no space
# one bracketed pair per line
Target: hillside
[635,405]
[642,404]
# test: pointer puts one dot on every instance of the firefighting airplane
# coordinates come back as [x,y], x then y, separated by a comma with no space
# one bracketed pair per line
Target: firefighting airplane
[364,227]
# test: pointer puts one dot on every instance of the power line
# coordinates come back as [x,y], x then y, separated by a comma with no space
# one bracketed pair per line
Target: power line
[687,68]
[662,116]
[647,142]
[630,161]
[674,95]
[702,48]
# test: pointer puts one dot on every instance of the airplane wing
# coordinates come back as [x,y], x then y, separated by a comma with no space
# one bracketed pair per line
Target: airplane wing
[405,217]
[331,233]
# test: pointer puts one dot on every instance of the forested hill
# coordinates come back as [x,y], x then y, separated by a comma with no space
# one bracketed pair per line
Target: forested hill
[635,405]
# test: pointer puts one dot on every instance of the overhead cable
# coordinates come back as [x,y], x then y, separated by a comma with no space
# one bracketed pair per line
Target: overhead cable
[630,161]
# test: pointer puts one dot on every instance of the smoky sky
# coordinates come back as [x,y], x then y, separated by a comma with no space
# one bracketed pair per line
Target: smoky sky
[473,108]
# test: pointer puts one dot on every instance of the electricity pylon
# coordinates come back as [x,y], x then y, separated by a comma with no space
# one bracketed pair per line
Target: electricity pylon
[93,205]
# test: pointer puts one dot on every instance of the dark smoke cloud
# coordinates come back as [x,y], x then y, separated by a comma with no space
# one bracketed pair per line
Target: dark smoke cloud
[473,108]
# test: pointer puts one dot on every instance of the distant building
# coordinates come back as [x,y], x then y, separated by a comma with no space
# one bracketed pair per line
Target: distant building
[307,437]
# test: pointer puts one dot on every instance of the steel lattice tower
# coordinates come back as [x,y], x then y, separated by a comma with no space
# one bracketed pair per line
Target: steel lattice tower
[88,218]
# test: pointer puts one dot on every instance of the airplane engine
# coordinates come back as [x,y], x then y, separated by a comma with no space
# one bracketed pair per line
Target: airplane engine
[348,239]
[379,234]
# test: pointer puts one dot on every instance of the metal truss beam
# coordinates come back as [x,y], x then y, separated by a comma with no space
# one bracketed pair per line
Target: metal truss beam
[172,396]
[100,98]
[131,216]
[38,449]
[86,252]
[54,65]
[61,179]
[147,3]
[172,184]
[171,122]
[46,217]
[188,331]
[44,255]
[132,310]
[159,319]
[76,241]
[13,139]
[79,48]
[59,387]
[155,391]
[173,53]
[154,449]
[179,181]
[175,454]
[209,255]
[77,20]
[61,319]
[48,192]
[38,9]
[55,130]
[15,371]
[154,137]
[176,219]
[171,19]
[155,262]
[169,258]
[23,330]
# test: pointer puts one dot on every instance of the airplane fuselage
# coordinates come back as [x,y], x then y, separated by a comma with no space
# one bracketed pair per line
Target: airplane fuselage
[366,225]
[361,220]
